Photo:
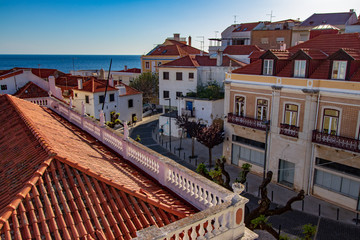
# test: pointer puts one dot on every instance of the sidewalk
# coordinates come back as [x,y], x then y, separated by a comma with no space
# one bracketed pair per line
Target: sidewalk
[330,225]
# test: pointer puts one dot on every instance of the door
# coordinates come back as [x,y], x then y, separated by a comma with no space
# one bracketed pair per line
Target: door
[286,173]
[189,106]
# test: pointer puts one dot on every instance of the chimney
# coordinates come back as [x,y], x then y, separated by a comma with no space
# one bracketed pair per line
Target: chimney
[352,10]
[80,83]
[282,46]
[219,58]
[189,41]
[111,81]
[102,74]
[122,90]
[125,68]
[52,87]
[177,36]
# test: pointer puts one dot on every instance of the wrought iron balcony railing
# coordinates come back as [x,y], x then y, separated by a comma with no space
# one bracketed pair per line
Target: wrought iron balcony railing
[246,121]
[345,143]
[289,130]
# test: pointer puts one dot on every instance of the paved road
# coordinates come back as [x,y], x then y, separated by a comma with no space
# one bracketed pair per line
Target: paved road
[291,222]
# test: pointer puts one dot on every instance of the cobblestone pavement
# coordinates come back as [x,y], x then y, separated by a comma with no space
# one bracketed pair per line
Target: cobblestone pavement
[291,222]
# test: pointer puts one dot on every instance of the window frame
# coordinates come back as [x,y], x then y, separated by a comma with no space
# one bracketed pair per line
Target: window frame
[329,131]
[237,109]
[168,93]
[111,97]
[147,65]
[166,76]
[87,99]
[179,76]
[266,68]
[101,99]
[191,78]
[4,87]
[179,95]
[130,103]
[262,106]
[337,63]
[290,117]
[300,71]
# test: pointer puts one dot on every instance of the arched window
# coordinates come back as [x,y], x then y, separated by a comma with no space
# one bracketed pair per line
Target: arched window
[331,121]
[262,109]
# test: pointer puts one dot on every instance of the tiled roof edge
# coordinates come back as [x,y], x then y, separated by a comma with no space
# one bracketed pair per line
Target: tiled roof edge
[32,128]
[141,194]
[13,205]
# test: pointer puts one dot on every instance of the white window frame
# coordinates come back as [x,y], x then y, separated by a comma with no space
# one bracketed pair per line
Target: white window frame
[268,68]
[147,65]
[256,108]
[298,113]
[300,68]
[322,117]
[234,108]
[340,67]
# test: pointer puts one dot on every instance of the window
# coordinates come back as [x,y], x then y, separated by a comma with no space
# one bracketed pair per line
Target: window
[178,94]
[330,121]
[112,97]
[179,76]
[166,94]
[130,103]
[147,65]
[262,106]
[246,154]
[101,99]
[291,114]
[239,106]
[3,87]
[191,75]
[335,183]
[166,75]
[75,94]
[286,173]
[264,40]
[339,70]
[280,40]
[299,68]
[268,66]
[87,99]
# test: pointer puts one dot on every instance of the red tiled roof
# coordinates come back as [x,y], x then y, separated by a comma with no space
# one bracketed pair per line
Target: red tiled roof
[256,54]
[246,27]
[60,182]
[9,73]
[197,60]
[129,90]
[43,72]
[176,49]
[93,85]
[132,70]
[253,68]
[31,90]
[241,49]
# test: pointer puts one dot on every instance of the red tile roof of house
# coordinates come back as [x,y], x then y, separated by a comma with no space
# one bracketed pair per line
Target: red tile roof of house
[252,68]
[59,182]
[93,85]
[31,90]
[246,27]
[9,73]
[241,49]
[197,60]
[132,70]
[43,72]
[129,90]
[175,49]
[327,18]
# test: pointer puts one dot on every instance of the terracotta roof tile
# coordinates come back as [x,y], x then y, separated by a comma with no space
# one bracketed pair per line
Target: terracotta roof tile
[43,72]
[241,49]
[93,85]
[198,60]
[253,68]
[129,90]
[85,191]
[176,48]
[246,27]
[132,70]
[31,90]
[9,73]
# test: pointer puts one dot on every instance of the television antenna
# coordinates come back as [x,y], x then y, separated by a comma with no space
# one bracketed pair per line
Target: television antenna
[235,18]
[202,42]
[271,15]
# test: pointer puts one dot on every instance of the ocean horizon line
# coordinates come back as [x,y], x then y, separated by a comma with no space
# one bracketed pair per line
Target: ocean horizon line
[70,54]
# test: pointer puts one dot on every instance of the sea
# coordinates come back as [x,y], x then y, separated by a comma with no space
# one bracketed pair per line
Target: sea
[66,63]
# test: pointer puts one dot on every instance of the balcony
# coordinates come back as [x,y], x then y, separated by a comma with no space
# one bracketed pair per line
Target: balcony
[345,143]
[289,130]
[246,121]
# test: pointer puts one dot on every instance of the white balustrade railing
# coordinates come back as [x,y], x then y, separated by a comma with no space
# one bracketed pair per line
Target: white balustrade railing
[217,204]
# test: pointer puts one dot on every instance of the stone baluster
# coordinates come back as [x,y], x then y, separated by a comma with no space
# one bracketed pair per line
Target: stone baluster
[209,229]
[201,232]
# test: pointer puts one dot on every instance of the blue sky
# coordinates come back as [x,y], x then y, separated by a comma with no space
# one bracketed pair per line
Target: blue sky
[134,27]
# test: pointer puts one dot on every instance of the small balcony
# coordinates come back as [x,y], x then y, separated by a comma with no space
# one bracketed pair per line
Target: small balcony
[345,143]
[246,121]
[289,130]
[189,113]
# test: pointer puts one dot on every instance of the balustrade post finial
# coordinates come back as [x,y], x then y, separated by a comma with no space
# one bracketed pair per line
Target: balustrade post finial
[102,119]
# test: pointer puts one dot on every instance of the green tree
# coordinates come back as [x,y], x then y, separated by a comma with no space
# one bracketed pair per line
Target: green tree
[211,90]
[148,84]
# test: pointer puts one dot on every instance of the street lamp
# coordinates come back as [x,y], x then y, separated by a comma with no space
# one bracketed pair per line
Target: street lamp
[267,123]
[169,99]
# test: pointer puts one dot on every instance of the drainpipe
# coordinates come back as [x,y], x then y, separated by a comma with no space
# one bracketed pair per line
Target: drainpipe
[313,147]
